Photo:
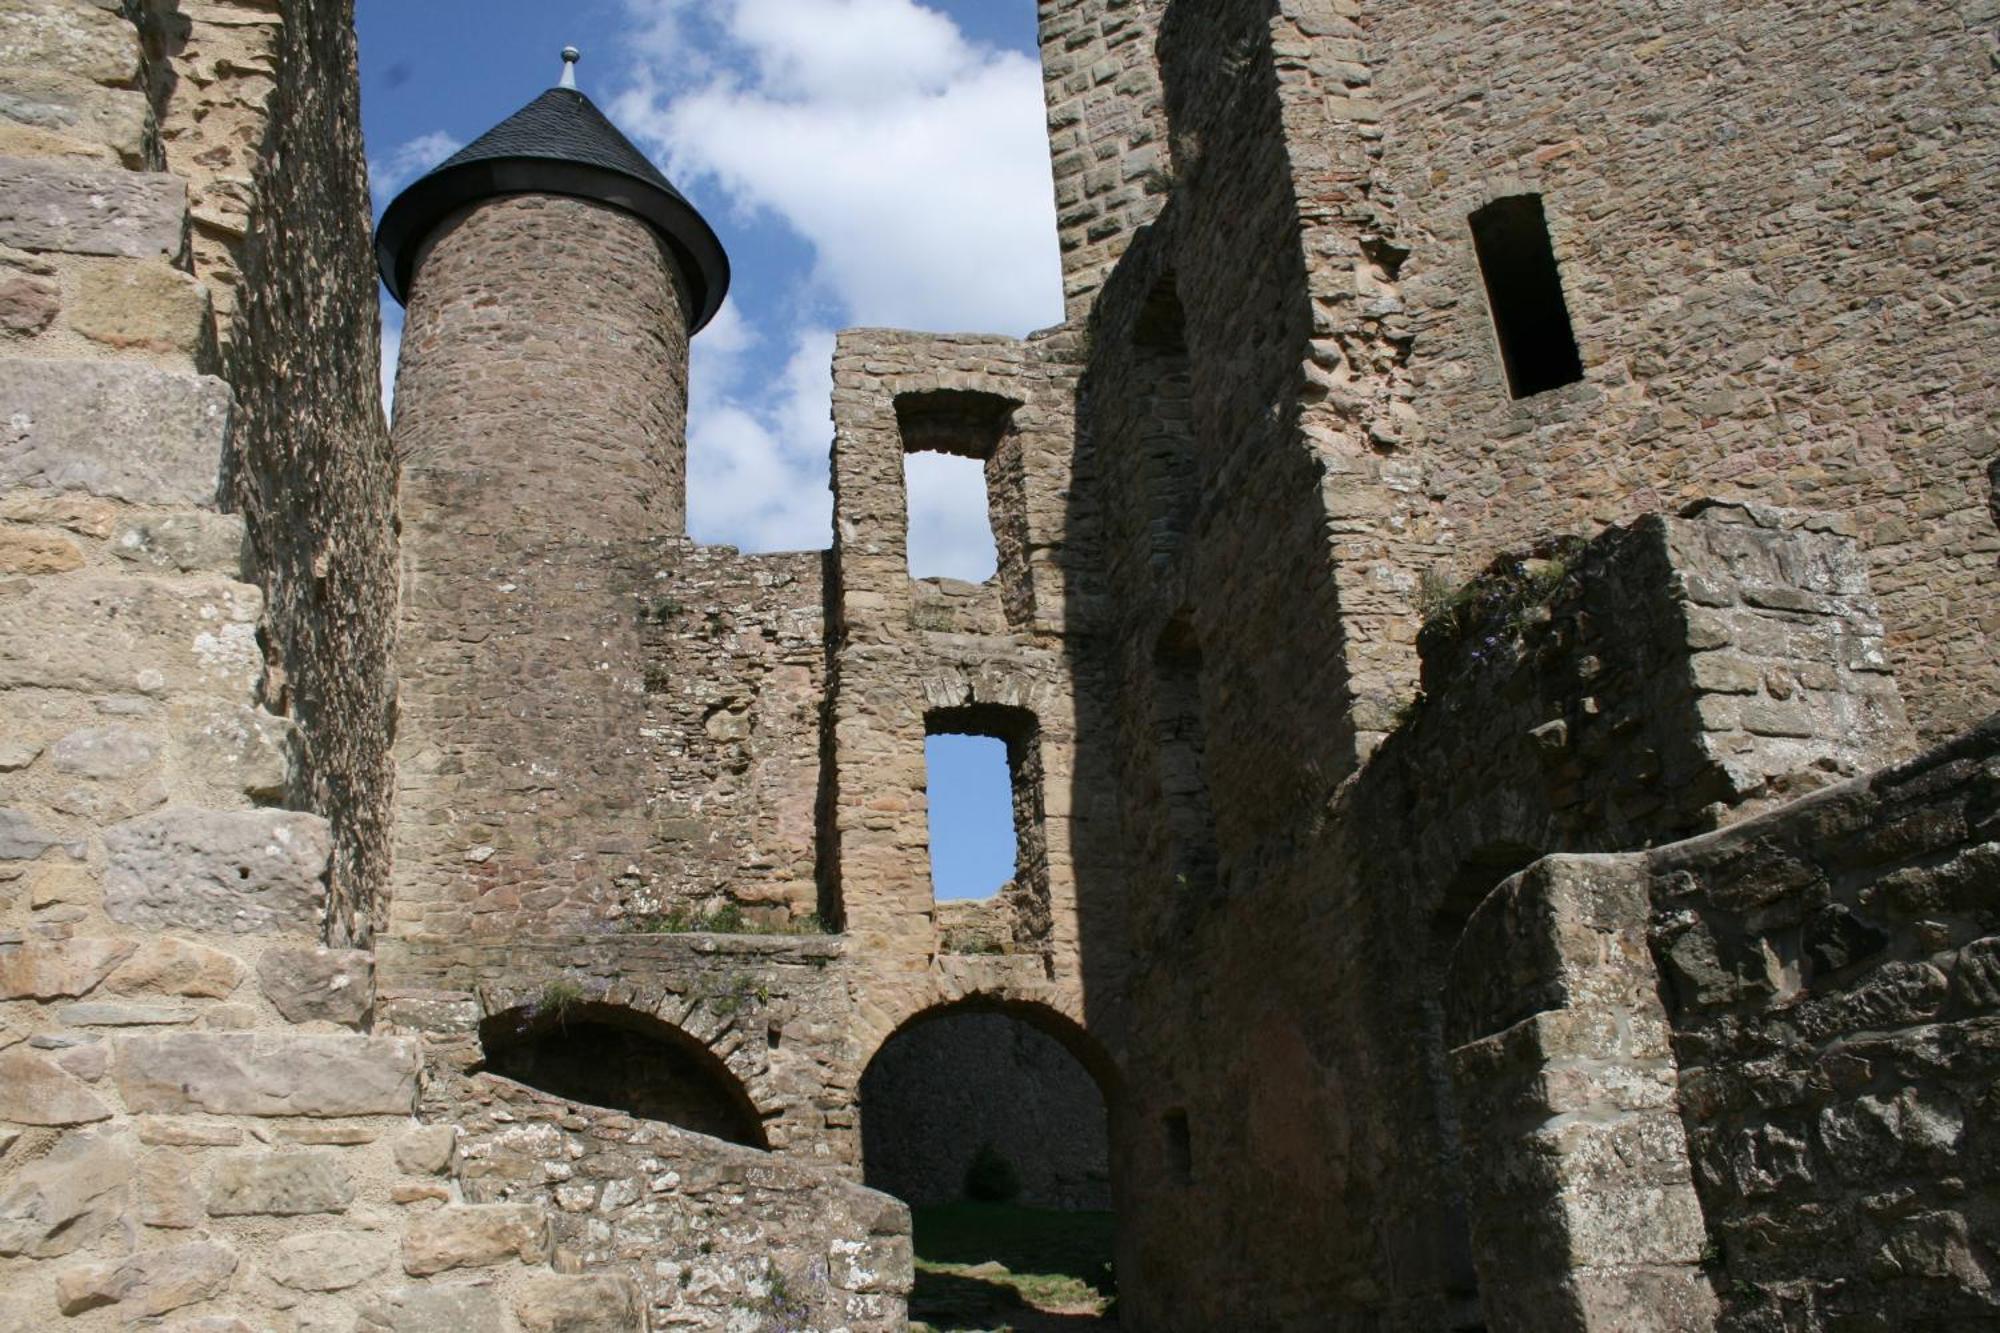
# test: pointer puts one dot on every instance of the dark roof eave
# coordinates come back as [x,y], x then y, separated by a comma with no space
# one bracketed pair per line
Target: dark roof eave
[421,209]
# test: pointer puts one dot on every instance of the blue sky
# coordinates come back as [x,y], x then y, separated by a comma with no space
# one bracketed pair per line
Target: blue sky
[878,162]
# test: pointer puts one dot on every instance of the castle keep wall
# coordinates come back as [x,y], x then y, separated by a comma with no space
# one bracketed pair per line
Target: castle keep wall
[1773,226]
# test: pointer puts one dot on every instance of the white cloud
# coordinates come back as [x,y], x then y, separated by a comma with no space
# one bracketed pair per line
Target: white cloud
[407,161]
[951,532]
[915,165]
[757,459]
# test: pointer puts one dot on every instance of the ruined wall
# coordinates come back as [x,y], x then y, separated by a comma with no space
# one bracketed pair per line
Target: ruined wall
[912,654]
[190,1123]
[1830,974]
[1772,227]
[1743,1080]
[284,240]
[1107,132]
[941,1092]
[1618,701]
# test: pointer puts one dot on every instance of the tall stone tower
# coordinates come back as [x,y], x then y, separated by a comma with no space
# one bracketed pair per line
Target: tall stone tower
[553,278]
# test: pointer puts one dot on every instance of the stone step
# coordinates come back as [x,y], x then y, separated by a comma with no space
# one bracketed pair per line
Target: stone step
[82,209]
[125,432]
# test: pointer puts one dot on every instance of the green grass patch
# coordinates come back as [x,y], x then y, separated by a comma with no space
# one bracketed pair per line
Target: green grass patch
[997,1266]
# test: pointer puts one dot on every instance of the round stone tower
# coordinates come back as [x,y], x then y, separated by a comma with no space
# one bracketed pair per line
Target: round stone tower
[553,278]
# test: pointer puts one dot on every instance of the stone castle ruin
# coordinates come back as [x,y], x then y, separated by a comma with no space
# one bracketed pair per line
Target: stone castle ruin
[1496,635]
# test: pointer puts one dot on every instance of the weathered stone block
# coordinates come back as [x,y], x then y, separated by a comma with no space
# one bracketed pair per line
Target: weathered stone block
[105,753]
[125,634]
[281,1184]
[151,306]
[238,748]
[330,985]
[167,966]
[427,1150]
[21,838]
[188,543]
[35,1090]
[329,1260]
[459,1308]
[82,41]
[61,204]
[598,1303]
[31,553]
[48,969]
[267,1074]
[74,117]
[240,871]
[119,431]
[151,1282]
[167,1197]
[102,1014]
[474,1236]
[67,1199]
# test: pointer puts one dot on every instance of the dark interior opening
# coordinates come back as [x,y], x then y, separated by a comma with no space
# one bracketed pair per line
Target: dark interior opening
[621,1060]
[978,1105]
[1180,1147]
[1524,292]
[1182,752]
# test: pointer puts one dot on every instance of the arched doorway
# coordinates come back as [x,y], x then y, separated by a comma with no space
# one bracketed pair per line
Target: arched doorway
[624,1060]
[992,1121]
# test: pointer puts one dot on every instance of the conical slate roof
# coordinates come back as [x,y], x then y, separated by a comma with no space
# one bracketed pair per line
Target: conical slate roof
[560,143]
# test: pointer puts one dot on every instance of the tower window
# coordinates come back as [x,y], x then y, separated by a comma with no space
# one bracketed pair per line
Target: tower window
[1524,292]
[1179,1145]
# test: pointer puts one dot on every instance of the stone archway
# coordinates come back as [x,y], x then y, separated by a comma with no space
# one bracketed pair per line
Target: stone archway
[991,1118]
[625,1060]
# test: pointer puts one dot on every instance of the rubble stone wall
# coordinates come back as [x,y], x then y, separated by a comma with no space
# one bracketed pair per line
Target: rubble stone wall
[1829,972]
[1771,226]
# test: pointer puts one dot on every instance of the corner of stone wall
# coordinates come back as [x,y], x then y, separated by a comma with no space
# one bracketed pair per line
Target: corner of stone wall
[1584,1213]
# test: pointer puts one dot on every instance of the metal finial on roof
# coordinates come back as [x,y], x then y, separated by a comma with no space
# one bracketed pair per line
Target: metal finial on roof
[570,56]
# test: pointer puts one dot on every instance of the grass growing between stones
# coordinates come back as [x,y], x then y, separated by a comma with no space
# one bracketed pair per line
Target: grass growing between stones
[993,1267]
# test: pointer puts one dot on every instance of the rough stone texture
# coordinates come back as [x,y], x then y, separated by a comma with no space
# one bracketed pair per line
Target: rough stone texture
[151,307]
[279,1183]
[1786,352]
[46,970]
[442,1309]
[559,1304]
[35,1090]
[151,1282]
[625,1196]
[169,966]
[63,1202]
[474,1236]
[229,1073]
[1584,1213]
[266,107]
[1107,132]
[124,432]
[330,1260]
[210,870]
[331,985]
[54,205]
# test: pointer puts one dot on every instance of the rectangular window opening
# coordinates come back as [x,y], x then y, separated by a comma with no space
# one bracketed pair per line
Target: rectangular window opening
[951,525]
[974,844]
[1524,292]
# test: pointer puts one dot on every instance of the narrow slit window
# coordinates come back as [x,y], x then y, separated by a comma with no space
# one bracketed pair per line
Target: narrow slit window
[1524,292]
[973,843]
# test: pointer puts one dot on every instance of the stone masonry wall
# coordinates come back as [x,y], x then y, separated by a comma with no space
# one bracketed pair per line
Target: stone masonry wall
[309,467]
[1107,132]
[1772,226]
[1829,972]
